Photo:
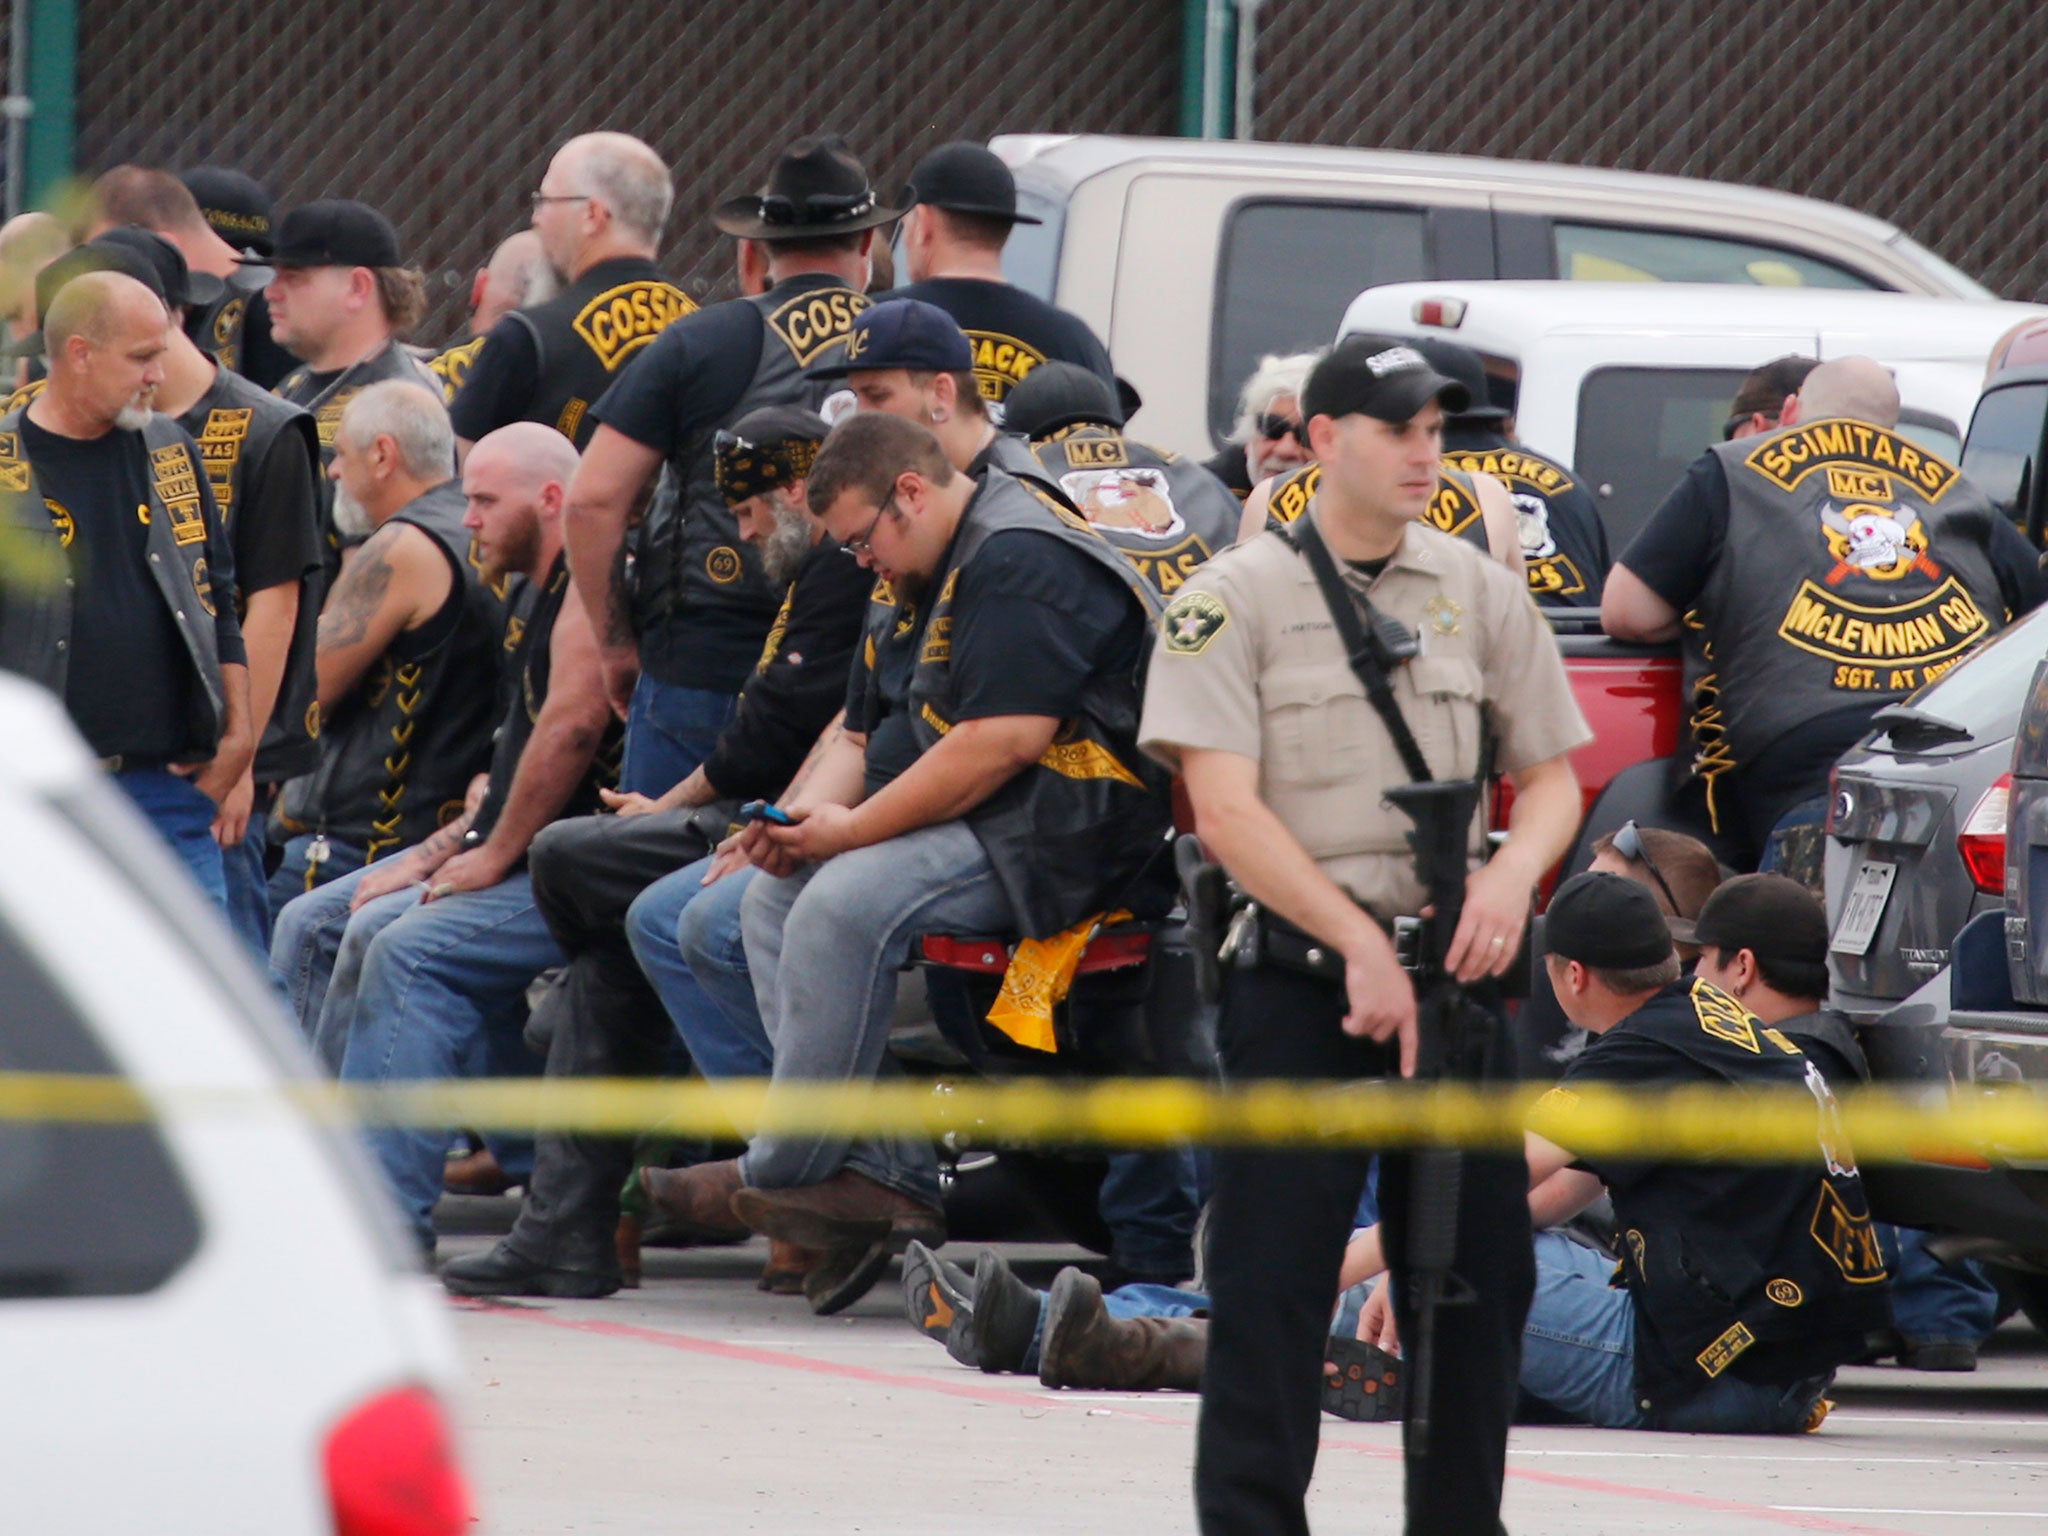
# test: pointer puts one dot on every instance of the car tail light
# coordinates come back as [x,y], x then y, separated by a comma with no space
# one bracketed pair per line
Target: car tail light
[391,1470]
[1448,313]
[1982,842]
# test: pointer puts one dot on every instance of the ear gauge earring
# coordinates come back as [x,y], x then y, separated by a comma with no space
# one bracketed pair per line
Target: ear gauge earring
[940,416]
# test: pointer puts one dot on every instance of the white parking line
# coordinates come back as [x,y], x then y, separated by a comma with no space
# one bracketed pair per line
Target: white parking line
[1957,1514]
[1847,1458]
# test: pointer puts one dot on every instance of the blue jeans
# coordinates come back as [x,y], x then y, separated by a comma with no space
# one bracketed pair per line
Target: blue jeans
[1578,1355]
[248,900]
[686,936]
[182,813]
[1933,1302]
[1149,1203]
[669,731]
[305,948]
[289,881]
[825,946]
[439,992]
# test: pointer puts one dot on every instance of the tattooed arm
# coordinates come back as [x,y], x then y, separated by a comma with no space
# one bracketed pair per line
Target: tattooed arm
[397,581]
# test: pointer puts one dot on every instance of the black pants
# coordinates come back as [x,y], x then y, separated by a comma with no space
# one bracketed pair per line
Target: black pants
[1278,1224]
[602,1019]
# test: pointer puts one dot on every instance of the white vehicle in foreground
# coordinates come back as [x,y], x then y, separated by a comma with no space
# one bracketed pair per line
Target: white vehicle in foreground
[1629,382]
[209,1322]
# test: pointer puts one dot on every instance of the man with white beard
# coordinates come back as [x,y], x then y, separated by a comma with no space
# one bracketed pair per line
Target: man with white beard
[408,648]
[120,582]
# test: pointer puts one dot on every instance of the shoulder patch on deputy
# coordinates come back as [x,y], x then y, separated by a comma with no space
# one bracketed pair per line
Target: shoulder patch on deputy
[1191,621]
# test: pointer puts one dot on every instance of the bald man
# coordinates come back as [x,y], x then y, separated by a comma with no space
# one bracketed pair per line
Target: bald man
[517,275]
[599,213]
[121,587]
[1824,570]
[431,953]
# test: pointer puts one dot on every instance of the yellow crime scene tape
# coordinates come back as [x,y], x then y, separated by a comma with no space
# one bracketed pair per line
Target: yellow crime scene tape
[1699,1123]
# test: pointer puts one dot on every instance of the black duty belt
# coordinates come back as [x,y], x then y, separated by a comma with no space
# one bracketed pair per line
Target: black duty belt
[1258,937]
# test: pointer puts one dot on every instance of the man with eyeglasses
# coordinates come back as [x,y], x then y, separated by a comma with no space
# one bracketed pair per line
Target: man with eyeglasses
[599,213]
[613,886]
[680,601]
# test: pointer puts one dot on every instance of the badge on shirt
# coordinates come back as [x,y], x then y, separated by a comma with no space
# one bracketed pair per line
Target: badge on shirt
[1445,615]
[1191,621]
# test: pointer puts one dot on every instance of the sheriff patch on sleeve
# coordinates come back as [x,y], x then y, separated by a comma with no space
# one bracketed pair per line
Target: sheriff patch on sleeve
[1191,621]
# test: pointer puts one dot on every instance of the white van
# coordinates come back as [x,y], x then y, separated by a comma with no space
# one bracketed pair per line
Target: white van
[1192,257]
[1628,382]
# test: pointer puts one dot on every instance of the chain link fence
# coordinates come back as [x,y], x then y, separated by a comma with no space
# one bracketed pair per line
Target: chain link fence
[444,116]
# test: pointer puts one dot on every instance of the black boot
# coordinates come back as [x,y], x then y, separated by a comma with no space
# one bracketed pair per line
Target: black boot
[994,1333]
[505,1271]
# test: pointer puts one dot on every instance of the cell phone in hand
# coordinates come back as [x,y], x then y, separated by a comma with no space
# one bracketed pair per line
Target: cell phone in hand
[764,810]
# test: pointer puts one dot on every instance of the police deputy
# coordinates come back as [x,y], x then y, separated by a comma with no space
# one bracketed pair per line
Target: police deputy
[1252,698]
[121,579]
[963,209]
[263,463]
[1564,543]
[680,637]
[1166,513]
[599,212]
[1829,568]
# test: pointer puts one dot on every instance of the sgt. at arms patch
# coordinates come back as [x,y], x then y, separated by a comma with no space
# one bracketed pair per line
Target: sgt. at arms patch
[1191,621]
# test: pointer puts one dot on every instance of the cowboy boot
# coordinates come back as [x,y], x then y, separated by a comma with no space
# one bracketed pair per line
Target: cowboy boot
[1085,1347]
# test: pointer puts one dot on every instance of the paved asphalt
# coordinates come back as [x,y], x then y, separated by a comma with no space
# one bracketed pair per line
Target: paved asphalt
[699,1404]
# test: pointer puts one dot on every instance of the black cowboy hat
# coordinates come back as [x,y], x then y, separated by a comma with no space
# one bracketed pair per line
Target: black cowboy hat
[817,188]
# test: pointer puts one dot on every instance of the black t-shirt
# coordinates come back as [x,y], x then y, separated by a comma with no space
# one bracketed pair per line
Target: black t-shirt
[877,691]
[689,377]
[1011,331]
[1033,621]
[129,681]
[501,381]
[1674,552]
[1231,467]
[801,680]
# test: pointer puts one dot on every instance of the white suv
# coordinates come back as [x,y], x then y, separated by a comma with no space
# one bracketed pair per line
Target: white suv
[210,1320]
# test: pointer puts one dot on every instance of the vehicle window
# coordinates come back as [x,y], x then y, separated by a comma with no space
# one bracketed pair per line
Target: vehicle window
[1286,274]
[1937,434]
[1600,253]
[1639,428]
[1031,256]
[85,1210]
[2005,436]
[1986,692]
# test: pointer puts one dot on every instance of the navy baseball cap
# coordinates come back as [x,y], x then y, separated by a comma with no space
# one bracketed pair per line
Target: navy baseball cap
[1381,376]
[901,333]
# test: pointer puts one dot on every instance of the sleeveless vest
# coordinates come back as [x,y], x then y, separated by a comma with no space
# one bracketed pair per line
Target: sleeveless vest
[236,425]
[588,332]
[1564,549]
[1167,514]
[1777,1258]
[1068,834]
[35,594]
[1845,579]
[531,665]
[690,565]
[1454,509]
[398,754]
[217,330]
[451,366]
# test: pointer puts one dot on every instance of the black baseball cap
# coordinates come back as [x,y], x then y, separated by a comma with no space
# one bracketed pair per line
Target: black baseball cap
[235,204]
[76,262]
[1607,922]
[1055,395]
[1777,918]
[772,446]
[333,232]
[1456,361]
[1382,376]
[901,333]
[965,177]
[177,284]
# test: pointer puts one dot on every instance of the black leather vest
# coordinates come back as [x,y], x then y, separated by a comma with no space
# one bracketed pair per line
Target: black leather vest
[690,566]
[1454,508]
[35,597]
[1068,834]
[1564,550]
[1846,578]
[588,332]
[531,665]
[1167,514]
[1780,1260]
[398,753]
[217,329]
[236,424]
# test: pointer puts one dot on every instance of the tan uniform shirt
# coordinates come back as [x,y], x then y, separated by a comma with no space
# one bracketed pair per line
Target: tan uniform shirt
[1249,661]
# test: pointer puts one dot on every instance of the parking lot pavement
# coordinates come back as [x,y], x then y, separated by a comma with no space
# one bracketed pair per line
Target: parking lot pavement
[698,1404]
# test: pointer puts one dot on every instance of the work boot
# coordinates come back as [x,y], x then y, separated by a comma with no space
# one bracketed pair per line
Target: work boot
[847,1208]
[935,1292]
[1085,1347]
[700,1196]
[844,1273]
[504,1271]
[994,1334]
[787,1269]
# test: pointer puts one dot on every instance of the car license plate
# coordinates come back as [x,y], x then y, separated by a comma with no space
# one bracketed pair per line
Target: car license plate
[1864,908]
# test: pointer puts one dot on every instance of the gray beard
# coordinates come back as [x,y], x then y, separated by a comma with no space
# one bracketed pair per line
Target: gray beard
[350,520]
[132,418]
[784,549]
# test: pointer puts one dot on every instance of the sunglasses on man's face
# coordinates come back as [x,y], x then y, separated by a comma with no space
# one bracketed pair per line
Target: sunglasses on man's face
[1283,426]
